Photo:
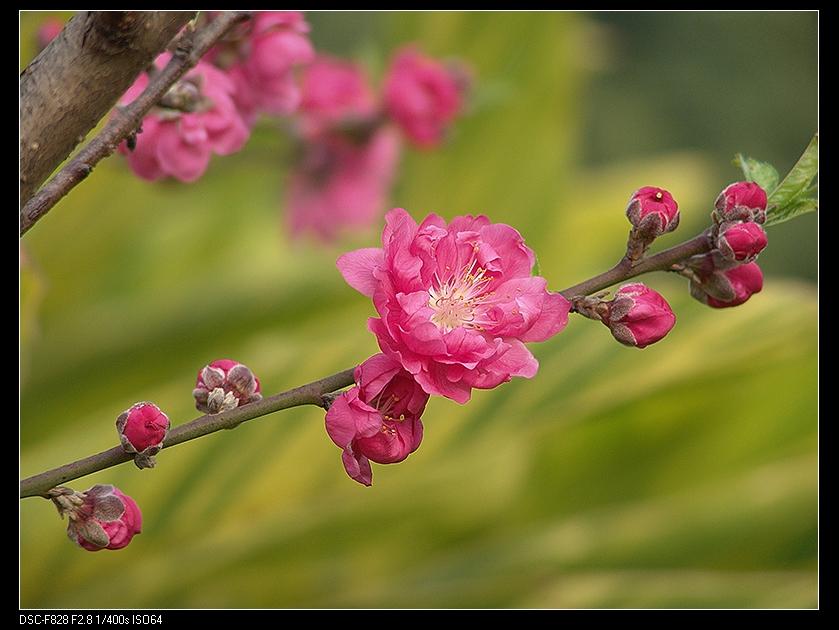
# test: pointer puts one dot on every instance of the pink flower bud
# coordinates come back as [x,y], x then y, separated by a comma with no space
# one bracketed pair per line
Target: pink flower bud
[378,419]
[422,96]
[745,281]
[142,429]
[741,241]
[225,384]
[653,211]
[639,316]
[741,201]
[102,517]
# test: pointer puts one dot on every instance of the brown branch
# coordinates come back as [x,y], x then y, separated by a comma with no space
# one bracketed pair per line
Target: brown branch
[78,77]
[311,394]
[190,48]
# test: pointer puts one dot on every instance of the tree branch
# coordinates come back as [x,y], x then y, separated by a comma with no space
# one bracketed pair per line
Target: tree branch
[190,48]
[312,394]
[78,77]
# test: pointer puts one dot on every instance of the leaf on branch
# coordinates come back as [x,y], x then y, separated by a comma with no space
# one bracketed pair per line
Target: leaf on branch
[796,194]
[761,173]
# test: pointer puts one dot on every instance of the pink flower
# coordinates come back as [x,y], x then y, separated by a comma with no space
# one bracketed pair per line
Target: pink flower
[421,96]
[103,518]
[742,201]
[456,302]
[653,210]
[745,280]
[142,428]
[48,31]
[341,184]
[180,143]
[378,419]
[225,384]
[334,91]
[741,241]
[639,316]
[265,77]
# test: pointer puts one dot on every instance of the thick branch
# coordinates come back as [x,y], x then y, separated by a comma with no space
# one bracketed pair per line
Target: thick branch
[189,50]
[311,394]
[78,77]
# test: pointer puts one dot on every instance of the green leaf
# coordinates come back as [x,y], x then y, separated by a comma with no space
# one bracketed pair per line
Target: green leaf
[792,210]
[792,197]
[761,173]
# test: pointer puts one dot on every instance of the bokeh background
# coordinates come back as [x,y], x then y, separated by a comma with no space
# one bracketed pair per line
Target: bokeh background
[681,476]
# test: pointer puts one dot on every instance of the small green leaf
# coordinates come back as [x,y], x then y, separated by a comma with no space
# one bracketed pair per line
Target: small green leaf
[761,173]
[792,197]
[792,210]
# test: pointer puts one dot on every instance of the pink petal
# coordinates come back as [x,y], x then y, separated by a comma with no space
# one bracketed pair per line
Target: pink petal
[357,268]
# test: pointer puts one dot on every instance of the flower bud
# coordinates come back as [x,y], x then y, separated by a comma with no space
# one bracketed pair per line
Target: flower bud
[223,385]
[142,429]
[741,283]
[652,212]
[638,316]
[741,201]
[99,518]
[48,31]
[741,241]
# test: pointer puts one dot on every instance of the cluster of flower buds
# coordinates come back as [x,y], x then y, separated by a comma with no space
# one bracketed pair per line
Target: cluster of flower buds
[102,517]
[727,275]
[223,385]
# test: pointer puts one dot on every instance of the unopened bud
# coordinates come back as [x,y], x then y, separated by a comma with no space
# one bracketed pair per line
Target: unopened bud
[652,212]
[99,518]
[142,429]
[740,283]
[638,316]
[223,385]
[741,201]
[741,241]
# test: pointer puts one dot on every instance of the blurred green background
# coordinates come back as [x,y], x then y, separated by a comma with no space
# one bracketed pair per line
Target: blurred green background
[681,476]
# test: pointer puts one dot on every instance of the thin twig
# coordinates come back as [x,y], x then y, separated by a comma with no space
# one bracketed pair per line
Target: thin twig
[126,121]
[313,393]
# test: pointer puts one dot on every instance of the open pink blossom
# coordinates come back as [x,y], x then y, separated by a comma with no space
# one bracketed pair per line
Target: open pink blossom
[264,78]
[106,519]
[180,143]
[340,184]
[421,96]
[334,91]
[378,419]
[456,302]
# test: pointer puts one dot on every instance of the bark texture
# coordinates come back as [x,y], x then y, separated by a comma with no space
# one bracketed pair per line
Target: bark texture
[78,78]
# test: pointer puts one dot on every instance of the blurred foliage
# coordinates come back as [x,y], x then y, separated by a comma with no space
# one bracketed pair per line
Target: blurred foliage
[683,475]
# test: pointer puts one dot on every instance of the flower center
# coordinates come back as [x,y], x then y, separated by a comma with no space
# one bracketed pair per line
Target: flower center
[455,302]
